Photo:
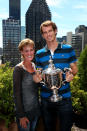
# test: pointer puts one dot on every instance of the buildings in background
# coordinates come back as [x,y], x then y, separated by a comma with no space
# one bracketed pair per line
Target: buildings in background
[11,39]
[12,34]
[80,29]
[77,41]
[14,9]
[37,12]
[69,38]
[1,53]
[23,32]
[62,39]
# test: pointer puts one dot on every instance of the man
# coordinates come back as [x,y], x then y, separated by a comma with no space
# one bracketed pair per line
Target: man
[63,56]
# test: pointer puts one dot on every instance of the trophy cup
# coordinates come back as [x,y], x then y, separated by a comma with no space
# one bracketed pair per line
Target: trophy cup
[52,78]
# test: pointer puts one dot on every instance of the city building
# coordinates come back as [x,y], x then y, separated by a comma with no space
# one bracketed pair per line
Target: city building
[37,12]
[23,32]
[14,9]
[69,38]
[1,53]
[12,34]
[62,39]
[80,29]
[11,39]
[77,41]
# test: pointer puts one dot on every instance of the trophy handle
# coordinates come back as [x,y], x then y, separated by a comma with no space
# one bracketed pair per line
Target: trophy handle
[64,82]
[66,70]
[42,82]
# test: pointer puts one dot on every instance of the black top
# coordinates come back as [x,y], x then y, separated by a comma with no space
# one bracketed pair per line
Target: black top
[25,93]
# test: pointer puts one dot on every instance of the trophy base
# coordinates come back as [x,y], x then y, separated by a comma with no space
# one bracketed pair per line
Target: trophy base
[55,98]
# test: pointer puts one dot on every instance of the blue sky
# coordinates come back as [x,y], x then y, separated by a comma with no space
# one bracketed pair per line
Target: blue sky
[67,14]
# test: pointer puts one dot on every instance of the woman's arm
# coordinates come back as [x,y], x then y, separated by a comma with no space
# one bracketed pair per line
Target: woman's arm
[17,90]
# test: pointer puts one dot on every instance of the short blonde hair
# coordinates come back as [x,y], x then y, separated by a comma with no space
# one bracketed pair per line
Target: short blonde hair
[25,42]
[48,23]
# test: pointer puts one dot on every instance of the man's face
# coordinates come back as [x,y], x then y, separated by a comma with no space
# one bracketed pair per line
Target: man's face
[48,33]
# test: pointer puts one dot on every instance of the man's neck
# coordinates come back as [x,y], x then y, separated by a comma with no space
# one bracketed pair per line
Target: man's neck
[52,45]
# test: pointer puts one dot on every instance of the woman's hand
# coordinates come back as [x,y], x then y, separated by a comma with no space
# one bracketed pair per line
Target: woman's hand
[23,122]
[37,77]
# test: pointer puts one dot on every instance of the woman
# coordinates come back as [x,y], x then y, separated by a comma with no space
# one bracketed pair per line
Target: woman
[25,90]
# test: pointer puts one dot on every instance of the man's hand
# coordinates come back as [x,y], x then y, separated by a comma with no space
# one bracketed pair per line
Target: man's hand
[69,76]
[72,72]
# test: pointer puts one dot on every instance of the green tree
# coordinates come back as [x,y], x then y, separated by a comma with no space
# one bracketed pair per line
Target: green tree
[79,97]
[82,67]
[79,85]
[6,93]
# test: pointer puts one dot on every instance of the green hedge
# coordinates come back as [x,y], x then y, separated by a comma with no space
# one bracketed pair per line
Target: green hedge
[6,93]
[79,97]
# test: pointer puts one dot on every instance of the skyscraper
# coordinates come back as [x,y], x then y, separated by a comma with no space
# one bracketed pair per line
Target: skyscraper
[23,32]
[14,9]
[80,29]
[11,39]
[37,12]
[77,41]
[12,34]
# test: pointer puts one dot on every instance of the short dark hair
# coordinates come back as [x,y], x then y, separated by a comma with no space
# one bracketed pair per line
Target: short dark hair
[48,23]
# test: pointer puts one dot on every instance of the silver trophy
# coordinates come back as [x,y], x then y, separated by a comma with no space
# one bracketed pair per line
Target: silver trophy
[52,78]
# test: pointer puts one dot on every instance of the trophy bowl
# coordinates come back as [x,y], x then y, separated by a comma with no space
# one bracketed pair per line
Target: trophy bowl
[52,78]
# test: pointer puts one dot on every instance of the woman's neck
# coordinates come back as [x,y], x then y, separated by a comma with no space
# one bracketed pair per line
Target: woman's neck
[27,63]
[28,66]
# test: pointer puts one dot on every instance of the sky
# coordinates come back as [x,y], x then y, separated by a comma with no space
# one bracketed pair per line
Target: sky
[67,14]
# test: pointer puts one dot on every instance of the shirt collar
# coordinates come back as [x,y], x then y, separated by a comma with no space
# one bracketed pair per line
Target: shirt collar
[58,47]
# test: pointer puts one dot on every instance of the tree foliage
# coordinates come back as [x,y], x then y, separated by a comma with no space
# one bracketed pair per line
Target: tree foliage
[79,97]
[79,85]
[6,93]
[82,66]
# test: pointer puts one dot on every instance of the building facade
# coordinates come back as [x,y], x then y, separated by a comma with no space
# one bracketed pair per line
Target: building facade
[11,39]
[14,9]
[23,32]
[82,29]
[77,41]
[37,12]
[61,40]
[12,34]
[69,38]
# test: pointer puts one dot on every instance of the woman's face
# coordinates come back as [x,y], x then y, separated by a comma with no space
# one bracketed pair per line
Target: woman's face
[28,52]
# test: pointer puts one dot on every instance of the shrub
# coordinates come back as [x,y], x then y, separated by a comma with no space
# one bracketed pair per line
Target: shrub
[79,97]
[6,93]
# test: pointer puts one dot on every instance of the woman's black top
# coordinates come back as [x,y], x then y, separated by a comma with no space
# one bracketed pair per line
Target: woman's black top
[25,93]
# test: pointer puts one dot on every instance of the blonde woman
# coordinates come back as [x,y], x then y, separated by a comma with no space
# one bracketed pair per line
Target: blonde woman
[25,90]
